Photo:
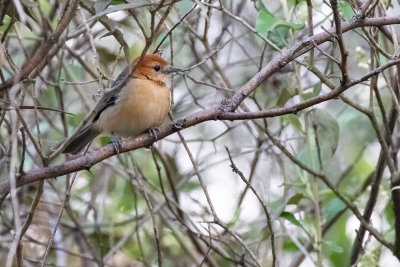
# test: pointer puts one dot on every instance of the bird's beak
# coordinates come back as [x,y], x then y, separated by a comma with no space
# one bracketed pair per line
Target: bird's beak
[171,70]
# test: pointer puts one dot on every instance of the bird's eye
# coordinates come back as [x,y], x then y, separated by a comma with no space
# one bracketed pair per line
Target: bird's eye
[157,68]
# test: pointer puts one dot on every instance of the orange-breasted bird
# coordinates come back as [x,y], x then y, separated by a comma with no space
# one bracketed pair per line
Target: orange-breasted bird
[141,104]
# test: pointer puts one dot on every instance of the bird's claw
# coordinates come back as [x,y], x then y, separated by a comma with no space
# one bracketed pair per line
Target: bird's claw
[116,141]
[153,132]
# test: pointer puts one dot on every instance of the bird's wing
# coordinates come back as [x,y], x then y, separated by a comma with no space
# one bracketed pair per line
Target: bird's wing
[112,99]
[120,77]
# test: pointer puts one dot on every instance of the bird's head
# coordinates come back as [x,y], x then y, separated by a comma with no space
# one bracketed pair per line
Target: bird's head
[153,67]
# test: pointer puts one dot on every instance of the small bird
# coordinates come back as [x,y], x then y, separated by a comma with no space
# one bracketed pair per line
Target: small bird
[141,104]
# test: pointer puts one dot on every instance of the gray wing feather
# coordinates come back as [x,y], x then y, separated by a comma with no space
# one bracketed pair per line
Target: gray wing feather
[112,99]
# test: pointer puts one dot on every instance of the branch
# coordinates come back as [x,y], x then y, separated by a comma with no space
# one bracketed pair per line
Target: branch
[343,52]
[264,206]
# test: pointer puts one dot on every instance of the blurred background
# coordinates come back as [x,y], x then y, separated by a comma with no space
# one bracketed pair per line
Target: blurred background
[186,201]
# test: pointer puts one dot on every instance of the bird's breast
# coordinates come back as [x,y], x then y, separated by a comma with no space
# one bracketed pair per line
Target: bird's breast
[142,105]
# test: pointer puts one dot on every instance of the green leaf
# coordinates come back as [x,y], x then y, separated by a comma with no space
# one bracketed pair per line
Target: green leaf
[333,207]
[286,94]
[306,96]
[315,92]
[126,201]
[294,200]
[6,23]
[104,140]
[280,36]
[327,129]
[289,245]
[265,233]
[265,22]
[333,246]
[75,120]
[45,6]
[346,9]
[293,120]
[294,26]
[294,2]
[292,219]
[283,98]
[317,88]
[236,217]
[117,2]
[389,213]
[276,29]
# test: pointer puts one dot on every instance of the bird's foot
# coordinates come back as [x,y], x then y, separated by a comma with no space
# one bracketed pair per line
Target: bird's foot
[116,141]
[153,132]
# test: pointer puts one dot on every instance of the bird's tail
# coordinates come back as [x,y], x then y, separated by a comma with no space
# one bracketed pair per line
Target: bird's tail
[86,135]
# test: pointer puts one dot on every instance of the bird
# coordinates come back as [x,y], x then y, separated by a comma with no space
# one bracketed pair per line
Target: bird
[141,104]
